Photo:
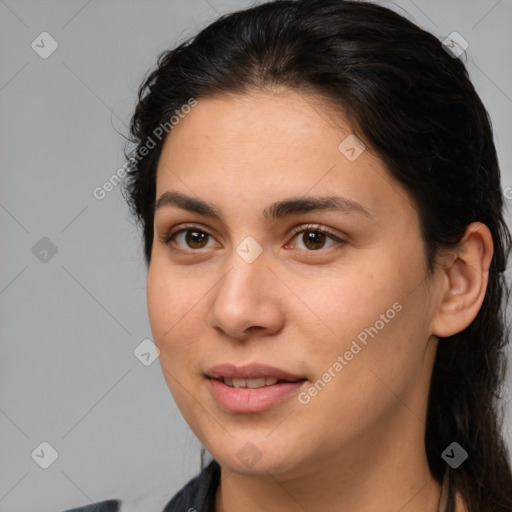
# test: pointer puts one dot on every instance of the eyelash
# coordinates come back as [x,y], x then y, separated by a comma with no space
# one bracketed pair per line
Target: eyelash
[167,239]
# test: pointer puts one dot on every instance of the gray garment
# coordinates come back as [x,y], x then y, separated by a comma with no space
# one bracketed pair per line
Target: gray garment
[197,495]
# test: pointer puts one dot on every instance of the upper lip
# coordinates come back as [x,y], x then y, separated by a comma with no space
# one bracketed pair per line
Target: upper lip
[250,371]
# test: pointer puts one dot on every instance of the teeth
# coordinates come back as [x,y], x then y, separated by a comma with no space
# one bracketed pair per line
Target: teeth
[250,383]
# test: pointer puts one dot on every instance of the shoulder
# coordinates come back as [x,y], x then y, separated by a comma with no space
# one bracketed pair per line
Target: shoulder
[199,493]
[100,506]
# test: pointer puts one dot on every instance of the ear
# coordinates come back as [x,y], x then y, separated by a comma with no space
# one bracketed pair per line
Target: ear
[464,276]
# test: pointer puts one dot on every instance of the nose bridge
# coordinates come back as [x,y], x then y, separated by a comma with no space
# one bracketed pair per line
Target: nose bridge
[244,284]
[244,297]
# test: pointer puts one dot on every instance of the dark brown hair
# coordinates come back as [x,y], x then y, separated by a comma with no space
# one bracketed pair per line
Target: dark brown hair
[413,105]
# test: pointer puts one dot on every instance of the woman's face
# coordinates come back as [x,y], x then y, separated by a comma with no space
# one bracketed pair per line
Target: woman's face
[249,281]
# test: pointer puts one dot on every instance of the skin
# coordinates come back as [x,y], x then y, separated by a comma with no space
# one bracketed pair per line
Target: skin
[358,444]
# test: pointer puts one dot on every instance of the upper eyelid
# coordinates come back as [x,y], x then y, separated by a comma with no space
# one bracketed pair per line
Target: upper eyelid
[187,227]
[319,228]
[295,231]
[313,227]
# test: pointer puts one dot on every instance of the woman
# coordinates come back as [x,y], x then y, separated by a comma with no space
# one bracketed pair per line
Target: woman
[320,199]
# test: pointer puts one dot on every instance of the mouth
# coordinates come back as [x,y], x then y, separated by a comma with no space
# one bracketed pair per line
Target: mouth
[255,383]
[233,374]
[252,388]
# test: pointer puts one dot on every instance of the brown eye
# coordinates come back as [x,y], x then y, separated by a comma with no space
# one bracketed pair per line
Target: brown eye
[191,238]
[315,238]
[195,239]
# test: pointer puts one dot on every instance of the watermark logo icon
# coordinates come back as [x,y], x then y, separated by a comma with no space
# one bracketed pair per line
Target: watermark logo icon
[44,45]
[45,455]
[249,249]
[146,352]
[351,147]
[44,250]
[249,454]
[454,455]
[455,44]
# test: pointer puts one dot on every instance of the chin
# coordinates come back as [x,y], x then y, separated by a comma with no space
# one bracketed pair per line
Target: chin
[261,457]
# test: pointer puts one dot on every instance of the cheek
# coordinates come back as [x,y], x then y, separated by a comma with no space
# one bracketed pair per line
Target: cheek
[173,308]
[162,305]
[178,308]
[346,303]
[369,317]
[172,299]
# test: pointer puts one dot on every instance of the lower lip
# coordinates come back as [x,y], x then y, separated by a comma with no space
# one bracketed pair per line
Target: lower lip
[247,400]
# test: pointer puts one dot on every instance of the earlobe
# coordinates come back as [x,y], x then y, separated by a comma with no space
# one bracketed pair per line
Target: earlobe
[464,281]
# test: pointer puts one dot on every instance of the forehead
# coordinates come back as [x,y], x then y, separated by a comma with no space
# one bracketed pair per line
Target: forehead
[253,149]
[267,121]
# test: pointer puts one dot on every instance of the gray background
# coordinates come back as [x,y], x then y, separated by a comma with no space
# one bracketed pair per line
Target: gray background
[70,324]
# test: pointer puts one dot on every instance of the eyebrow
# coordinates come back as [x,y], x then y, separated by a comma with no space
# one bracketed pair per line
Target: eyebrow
[277,210]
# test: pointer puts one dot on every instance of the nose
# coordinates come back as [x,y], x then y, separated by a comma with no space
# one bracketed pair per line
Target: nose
[246,301]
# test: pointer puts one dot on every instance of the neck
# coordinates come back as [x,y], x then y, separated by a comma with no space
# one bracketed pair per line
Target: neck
[386,476]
